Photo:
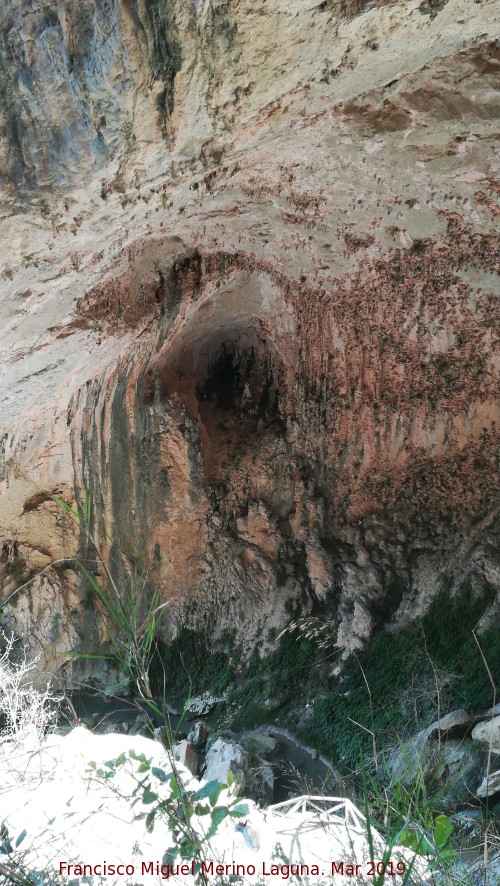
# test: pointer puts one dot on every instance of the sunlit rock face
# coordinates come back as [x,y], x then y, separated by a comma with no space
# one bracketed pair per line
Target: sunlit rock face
[249,303]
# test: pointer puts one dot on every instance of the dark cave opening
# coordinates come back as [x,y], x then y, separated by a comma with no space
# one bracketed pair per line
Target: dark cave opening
[238,389]
[223,383]
[241,384]
[230,377]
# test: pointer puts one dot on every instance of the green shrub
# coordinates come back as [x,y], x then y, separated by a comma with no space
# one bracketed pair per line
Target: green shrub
[191,665]
[413,675]
[434,666]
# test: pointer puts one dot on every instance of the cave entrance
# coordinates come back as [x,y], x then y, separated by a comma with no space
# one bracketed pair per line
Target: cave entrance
[224,386]
[237,389]
[225,368]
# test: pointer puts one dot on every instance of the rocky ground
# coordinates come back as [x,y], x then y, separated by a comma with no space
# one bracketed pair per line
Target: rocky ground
[75,798]
[65,811]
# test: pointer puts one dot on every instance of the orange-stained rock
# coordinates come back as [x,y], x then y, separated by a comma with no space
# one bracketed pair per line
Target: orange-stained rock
[249,307]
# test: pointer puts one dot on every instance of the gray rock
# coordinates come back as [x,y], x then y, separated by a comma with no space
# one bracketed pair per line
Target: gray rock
[198,734]
[492,711]
[163,735]
[467,830]
[453,720]
[223,757]
[170,710]
[454,764]
[201,704]
[261,781]
[404,763]
[484,875]
[108,728]
[489,785]
[260,743]
[488,731]
[252,774]
[140,726]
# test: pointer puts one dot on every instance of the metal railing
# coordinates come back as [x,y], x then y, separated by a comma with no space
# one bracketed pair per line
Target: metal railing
[332,810]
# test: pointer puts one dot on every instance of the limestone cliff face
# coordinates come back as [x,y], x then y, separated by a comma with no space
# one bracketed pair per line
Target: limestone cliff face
[249,301]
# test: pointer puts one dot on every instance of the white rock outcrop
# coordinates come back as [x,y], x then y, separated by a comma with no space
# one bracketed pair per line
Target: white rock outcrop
[488,731]
[67,814]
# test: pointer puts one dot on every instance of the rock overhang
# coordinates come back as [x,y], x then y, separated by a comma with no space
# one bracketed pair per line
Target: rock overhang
[373,245]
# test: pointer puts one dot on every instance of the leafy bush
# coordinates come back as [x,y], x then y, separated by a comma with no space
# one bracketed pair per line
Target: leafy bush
[164,795]
[410,818]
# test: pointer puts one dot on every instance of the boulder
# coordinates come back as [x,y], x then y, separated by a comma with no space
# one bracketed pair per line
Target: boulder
[163,735]
[458,721]
[185,753]
[223,757]
[490,785]
[198,734]
[252,774]
[445,753]
[467,829]
[484,874]
[493,711]
[489,732]
[425,747]
[107,727]
[201,704]
[260,743]
[260,780]
[141,726]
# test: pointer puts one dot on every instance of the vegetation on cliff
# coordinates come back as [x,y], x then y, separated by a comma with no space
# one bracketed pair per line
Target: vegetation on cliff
[395,687]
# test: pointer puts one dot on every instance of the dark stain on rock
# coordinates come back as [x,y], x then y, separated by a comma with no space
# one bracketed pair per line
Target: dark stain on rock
[432,7]
[34,501]
[165,50]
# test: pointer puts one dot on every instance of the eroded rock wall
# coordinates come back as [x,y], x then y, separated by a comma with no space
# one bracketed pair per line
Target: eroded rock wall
[249,303]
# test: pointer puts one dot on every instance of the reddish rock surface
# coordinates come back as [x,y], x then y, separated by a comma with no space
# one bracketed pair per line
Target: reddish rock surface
[258,320]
